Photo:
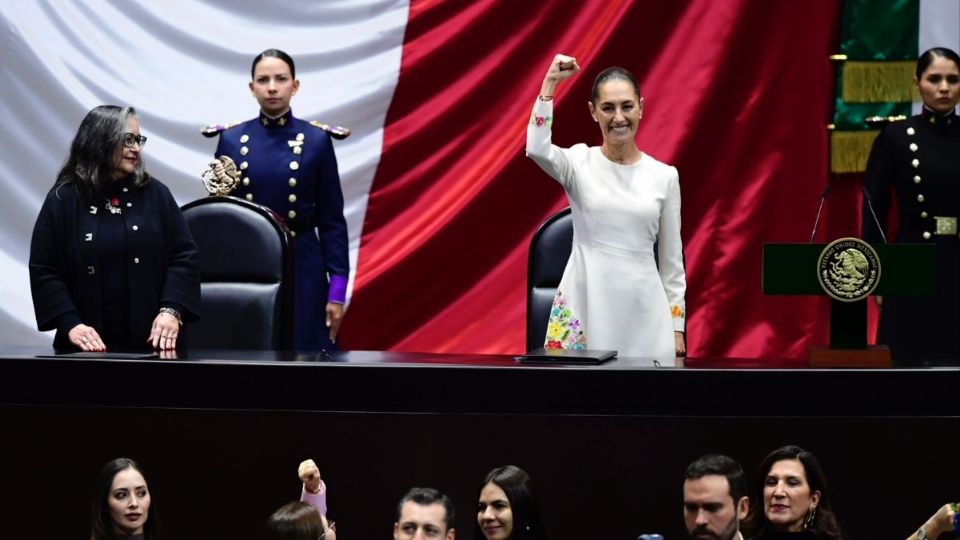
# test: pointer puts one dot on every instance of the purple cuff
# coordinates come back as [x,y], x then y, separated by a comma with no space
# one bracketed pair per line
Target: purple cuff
[338,289]
[318,500]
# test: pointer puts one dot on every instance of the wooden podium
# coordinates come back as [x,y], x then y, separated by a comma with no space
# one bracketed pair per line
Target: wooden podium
[905,269]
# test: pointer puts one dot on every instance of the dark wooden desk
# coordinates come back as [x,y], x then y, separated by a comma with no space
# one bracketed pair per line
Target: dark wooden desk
[221,433]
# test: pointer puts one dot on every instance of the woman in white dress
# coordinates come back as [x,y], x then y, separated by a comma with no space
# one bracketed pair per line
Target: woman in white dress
[612,294]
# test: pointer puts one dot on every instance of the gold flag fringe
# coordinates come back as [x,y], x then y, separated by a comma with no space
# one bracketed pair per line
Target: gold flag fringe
[878,82]
[849,150]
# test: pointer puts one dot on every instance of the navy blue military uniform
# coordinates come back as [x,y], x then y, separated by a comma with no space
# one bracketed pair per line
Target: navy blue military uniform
[918,159]
[288,165]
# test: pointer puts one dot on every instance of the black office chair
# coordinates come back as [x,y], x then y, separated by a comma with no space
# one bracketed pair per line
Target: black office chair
[246,276]
[549,251]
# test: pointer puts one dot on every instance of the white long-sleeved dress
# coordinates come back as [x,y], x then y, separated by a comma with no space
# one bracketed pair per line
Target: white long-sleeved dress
[612,295]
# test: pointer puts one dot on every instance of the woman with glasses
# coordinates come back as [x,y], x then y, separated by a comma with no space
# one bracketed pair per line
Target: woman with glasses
[112,263]
[289,165]
[507,508]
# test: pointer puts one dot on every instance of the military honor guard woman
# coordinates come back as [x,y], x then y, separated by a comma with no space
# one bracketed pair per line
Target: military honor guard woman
[288,165]
[112,263]
[917,163]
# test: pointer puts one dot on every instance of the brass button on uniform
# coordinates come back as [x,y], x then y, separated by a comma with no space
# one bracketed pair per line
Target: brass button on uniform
[300,137]
[294,165]
[292,198]
[135,227]
[129,205]
[926,235]
[297,150]
[920,198]
[136,260]
[244,138]
[244,150]
[243,166]
[246,181]
[923,214]
[915,163]
[249,196]
[910,131]
[292,214]
[916,179]
[292,182]
[913,147]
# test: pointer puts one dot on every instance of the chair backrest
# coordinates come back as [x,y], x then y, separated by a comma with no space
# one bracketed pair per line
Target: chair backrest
[246,285]
[549,251]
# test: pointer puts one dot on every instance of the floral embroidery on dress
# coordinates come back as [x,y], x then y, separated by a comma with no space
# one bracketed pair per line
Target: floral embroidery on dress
[540,121]
[564,331]
[677,312]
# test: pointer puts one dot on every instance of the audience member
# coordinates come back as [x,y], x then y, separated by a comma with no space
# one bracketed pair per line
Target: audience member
[122,506]
[507,508]
[790,499]
[714,498]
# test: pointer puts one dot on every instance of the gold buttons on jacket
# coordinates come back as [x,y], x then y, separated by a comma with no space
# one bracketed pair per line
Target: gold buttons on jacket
[913,147]
[136,260]
[916,179]
[297,150]
[292,198]
[915,163]
[920,197]
[243,166]
[292,182]
[294,165]
[244,150]
[926,235]
[910,131]
[292,214]
[244,138]
[135,227]
[246,181]
[300,137]
[924,214]
[249,196]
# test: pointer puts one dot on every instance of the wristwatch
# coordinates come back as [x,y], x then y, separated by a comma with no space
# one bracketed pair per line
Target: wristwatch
[922,535]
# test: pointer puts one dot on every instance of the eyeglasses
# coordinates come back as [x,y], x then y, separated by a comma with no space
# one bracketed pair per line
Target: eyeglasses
[332,526]
[130,139]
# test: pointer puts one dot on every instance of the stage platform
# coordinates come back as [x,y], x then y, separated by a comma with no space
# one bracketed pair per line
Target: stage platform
[221,433]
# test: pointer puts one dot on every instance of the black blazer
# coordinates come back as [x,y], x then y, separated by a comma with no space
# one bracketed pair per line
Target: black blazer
[161,260]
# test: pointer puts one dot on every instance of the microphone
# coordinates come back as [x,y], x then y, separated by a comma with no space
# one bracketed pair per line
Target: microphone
[866,197]
[823,198]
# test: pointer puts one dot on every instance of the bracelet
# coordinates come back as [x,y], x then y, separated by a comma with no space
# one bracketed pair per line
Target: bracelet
[175,313]
[545,98]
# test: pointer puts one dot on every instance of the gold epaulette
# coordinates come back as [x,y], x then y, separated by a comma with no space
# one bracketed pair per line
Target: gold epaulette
[214,129]
[337,132]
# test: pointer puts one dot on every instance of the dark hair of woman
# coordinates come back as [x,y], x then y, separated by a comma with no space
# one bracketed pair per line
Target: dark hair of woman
[928,56]
[93,152]
[102,525]
[824,525]
[294,521]
[273,53]
[516,484]
[614,73]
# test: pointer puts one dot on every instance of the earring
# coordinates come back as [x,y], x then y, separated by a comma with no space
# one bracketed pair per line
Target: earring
[808,521]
